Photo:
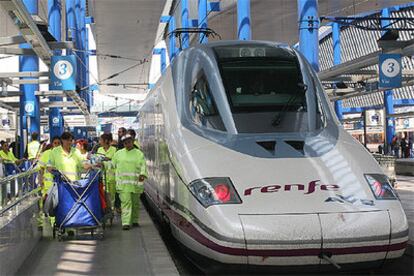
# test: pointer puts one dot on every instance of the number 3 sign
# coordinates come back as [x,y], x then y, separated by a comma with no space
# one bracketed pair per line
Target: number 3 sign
[63,73]
[390,70]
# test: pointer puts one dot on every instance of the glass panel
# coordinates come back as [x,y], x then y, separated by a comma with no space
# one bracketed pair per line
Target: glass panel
[203,108]
[265,89]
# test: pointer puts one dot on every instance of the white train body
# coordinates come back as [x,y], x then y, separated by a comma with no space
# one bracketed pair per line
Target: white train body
[249,164]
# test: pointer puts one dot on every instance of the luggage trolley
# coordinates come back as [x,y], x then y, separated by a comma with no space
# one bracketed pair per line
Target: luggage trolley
[79,205]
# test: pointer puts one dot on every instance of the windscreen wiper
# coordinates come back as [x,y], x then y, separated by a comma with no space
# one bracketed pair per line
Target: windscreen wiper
[279,116]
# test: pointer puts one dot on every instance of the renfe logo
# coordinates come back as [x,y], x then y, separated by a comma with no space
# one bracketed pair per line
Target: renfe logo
[289,187]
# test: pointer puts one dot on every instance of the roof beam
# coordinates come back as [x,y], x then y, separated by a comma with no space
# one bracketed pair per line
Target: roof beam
[17,51]
[30,81]
[24,74]
[11,40]
[28,28]
[362,62]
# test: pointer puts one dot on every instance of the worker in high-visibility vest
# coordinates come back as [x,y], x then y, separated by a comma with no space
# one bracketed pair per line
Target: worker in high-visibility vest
[134,135]
[45,177]
[7,157]
[67,159]
[130,173]
[33,148]
[108,151]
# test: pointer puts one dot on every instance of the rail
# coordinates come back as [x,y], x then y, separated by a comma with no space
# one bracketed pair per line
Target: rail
[16,188]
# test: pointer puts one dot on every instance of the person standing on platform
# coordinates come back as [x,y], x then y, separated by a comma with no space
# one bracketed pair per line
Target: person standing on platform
[33,148]
[134,135]
[130,173]
[45,177]
[67,159]
[82,147]
[108,151]
[7,155]
[121,133]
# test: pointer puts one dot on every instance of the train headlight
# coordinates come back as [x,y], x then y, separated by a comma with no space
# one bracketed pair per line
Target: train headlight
[380,186]
[214,191]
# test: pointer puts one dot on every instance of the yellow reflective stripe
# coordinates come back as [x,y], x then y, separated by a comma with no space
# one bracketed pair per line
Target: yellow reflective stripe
[127,174]
[121,182]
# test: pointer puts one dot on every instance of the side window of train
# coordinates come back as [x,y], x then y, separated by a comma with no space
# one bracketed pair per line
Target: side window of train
[203,108]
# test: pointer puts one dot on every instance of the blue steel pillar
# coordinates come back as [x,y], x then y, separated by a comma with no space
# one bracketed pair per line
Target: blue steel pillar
[171,27]
[29,64]
[336,37]
[78,45]
[308,31]
[54,19]
[388,98]
[243,20]
[184,22]
[85,55]
[202,19]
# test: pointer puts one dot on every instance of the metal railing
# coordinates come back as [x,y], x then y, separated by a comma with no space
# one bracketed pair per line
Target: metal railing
[15,188]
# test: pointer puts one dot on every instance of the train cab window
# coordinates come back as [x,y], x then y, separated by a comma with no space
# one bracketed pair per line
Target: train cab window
[203,108]
[265,89]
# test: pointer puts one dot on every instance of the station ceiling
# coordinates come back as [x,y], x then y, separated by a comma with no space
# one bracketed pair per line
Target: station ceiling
[130,28]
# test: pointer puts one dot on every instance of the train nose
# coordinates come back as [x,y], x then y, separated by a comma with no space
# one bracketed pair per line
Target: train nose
[355,237]
[309,239]
[282,239]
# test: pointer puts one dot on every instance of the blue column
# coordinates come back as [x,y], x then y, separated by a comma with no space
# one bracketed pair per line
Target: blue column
[70,20]
[336,37]
[54,19]
[243,20]
[84,56]
[184,23]
[78,46]
[71,29]
[388,97]
[29,63]
[308,31]
[202,19]
[171,27]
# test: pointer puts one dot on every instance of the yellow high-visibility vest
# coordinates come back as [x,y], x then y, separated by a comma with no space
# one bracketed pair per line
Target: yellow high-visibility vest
[129,165]
[8,157]
[71,165]
[32,149]
[109,171]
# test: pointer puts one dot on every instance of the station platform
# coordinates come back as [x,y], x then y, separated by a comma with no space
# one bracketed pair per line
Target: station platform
[405,189]
[139,251]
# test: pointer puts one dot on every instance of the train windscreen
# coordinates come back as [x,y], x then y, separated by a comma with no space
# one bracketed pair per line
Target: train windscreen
[264,87]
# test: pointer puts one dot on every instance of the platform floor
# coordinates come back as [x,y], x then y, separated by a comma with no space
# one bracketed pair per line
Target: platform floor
[405,189]
[139,251]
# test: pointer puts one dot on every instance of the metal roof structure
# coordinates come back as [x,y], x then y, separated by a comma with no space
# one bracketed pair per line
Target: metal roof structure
[359,67]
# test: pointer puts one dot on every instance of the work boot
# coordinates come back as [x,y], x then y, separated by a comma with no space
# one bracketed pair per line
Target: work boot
[126,227]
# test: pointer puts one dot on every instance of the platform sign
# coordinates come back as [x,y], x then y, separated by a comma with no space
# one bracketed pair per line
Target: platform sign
[63,73]
[390,71]
[29,108]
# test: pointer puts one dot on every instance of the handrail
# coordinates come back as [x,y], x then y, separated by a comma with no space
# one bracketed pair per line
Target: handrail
[16,188]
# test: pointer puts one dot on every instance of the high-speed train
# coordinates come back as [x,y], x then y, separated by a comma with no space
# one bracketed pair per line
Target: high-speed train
[249,165]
